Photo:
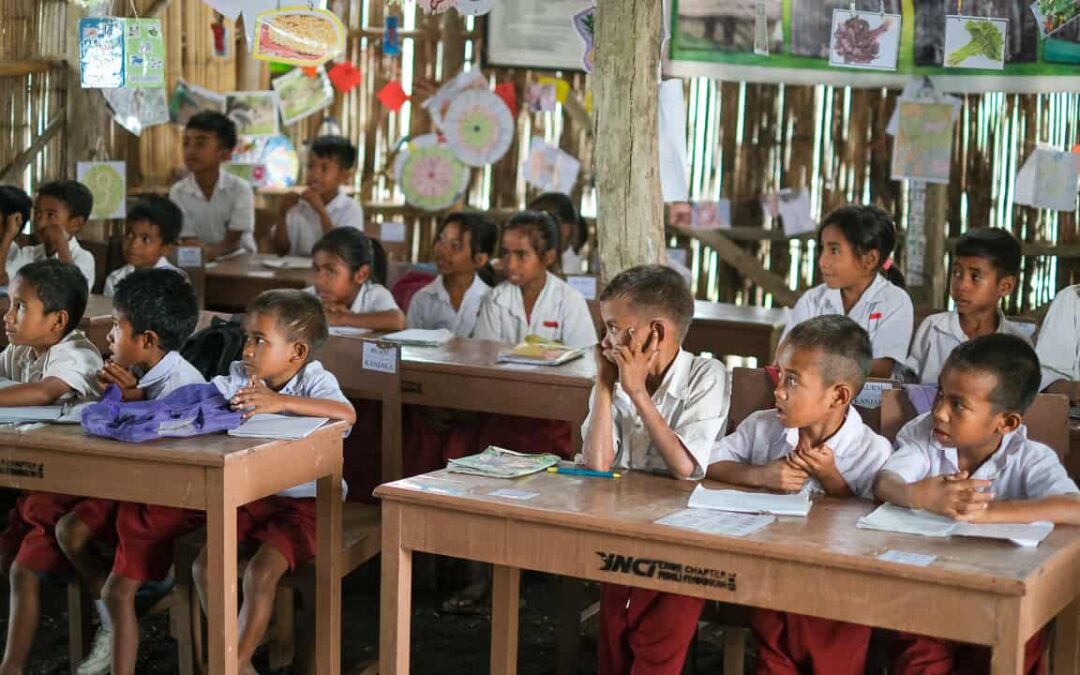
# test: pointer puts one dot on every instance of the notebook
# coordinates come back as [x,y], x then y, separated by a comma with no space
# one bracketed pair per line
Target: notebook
[30,413]
[348,331]
[496,462]
[797,504]
[420,337]
[287,262]
[892,518]
[285,427]
[539,353]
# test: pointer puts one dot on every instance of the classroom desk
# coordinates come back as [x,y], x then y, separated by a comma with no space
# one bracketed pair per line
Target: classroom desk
[96,321]
[736,330]
[231,284]
[978,591]
[210,473]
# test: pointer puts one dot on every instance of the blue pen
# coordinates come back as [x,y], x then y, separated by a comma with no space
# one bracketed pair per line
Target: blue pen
[574,471]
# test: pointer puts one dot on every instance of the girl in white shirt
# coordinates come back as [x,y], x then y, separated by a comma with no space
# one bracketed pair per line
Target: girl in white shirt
[533,301]
[862,283]
[573,233]
[464,246]
[347,270]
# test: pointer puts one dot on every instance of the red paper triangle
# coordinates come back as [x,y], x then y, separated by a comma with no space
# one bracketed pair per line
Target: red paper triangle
[344,76]
[392,95]
[508,94]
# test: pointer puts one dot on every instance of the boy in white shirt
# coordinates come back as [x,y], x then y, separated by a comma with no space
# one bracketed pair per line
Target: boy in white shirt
[984,270]
[154,312]
[304,218]
[219,208]
[654,408]
[60,211]
[1059,345]
[152,229]
[813,440]
[970,459]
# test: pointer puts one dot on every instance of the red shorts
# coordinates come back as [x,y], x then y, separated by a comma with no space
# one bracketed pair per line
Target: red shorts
[918,655]
[146,533]
[794,644]
[644,632]
[284,523]
[99,516]
[30,537]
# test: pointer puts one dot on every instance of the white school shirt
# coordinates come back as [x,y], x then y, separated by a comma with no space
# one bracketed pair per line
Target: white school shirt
[941,333]
[304,227]
[572,263]
[121,273]
[884,311]
[1019,469]
[80,257]
[75,360]
[1059,338]
[761,438]
[693,400]
[313,381]
[230,207]
[371,297]
[560,313]
[169,374]
[430,307]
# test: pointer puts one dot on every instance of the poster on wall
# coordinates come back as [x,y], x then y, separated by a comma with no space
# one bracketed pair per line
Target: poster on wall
[714,39]
[536,35]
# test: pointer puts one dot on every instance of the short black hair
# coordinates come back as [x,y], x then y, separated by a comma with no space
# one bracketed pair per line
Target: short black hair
[655,287]
[845,346]
[540,227]
[355,249]
[161,213]
[1010,359]
[15,200]
[215,123]
[336,148]
[298,313]
[77,197]
[561,208]
[59,286]
[159,300]
[998,246]
[867,228]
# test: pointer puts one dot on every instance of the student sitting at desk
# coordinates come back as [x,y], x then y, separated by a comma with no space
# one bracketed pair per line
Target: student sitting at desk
[278,375]
[152,229]
[655,407]
[52,362]
[1059,345]
[348,269]
[813,440]
[304,218]
[16,209]
[464,246]
[984,271]
[573,233]
[970,459]
[154,312]
[219,208]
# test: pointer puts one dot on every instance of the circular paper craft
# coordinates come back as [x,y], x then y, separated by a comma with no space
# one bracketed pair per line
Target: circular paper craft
[107,186]
[281,162]
[478,127]
[431,177]
[474,7]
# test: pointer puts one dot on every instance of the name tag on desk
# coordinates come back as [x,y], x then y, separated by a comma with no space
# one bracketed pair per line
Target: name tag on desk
[189,256]
[379,359]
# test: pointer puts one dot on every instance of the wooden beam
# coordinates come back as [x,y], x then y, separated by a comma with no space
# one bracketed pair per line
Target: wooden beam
[157,8]
[23,159]
[747,265]
[29,66]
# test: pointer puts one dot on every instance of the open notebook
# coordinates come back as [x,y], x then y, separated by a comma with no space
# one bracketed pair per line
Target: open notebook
[420,337]
[540,354]
[892,518]
[496,462]
[284,427]
[797,504]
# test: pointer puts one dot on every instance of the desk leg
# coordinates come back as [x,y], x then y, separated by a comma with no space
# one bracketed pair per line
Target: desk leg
[221,581]
[1007,655]
[395,604]
[1066,655]
[506,587]
[328,575]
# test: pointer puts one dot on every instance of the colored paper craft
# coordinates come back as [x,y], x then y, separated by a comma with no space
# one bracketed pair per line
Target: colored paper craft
[508,94]
[429,174]
[923,147]
[344,76]
[549,168]
[540,97]
[711,215]
[1048,180]
[392,96]
[301,37]
[301,96]
[107,181]
[391,42]
[473,7]
[188,99]
[144,53]
[137,109]
[437,105]
[478,127]
[255,113]
[1053,15]
[562,87]
[585,25]
[117,52]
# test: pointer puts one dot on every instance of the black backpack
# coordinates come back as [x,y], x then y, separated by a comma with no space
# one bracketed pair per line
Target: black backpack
[213,349]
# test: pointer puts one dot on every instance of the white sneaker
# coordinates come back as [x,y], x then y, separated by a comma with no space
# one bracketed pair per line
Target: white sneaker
[100,658]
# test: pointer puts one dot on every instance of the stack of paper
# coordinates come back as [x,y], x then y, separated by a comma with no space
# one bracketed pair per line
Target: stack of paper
[797,504]
[538,352]
[31,413]
[892,518]
[714,522]
[496,462]
[418,337]
[285,427]
[287,262]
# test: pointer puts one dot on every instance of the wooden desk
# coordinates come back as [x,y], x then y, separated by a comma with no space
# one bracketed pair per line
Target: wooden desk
[231,284]
[976,591]
[96,321]
[215,474]
[735,330]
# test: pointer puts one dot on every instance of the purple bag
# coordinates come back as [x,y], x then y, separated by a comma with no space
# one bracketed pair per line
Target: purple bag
[192,410]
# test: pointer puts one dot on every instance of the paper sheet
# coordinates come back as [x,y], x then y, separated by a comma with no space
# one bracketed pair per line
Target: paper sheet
[892,518]
[671,120]
[907,558]
[711,215]
[1048,180]
[923,146]
[265,425]
[750,502]
[717,522]
[420,336]
[348,331]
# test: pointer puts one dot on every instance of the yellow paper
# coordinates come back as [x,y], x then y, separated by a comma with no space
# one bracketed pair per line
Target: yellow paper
[588,101]
[562,87]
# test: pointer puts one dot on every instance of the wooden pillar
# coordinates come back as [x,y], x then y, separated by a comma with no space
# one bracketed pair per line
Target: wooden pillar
[928,289]
[630,210]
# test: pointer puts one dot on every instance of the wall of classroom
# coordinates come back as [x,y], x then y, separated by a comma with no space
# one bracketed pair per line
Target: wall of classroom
[744,139]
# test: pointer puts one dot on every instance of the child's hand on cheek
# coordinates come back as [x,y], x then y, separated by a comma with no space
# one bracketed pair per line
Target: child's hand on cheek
[635,360]
[606,371]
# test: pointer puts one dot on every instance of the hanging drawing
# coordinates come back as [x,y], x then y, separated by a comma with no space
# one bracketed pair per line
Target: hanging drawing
[864,39]
[429,174]
[300,37]
[478,127]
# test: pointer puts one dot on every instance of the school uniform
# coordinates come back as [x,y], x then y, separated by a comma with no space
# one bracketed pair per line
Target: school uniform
[430,307]
[884,311]
[572,263]
[304,226]
[1059,338]
[30,537]
[791,643]
[560,313]
[231,208]
[936,338]
[121,273]
[24,255]
[371,297]
[1020,469]
[644,630]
